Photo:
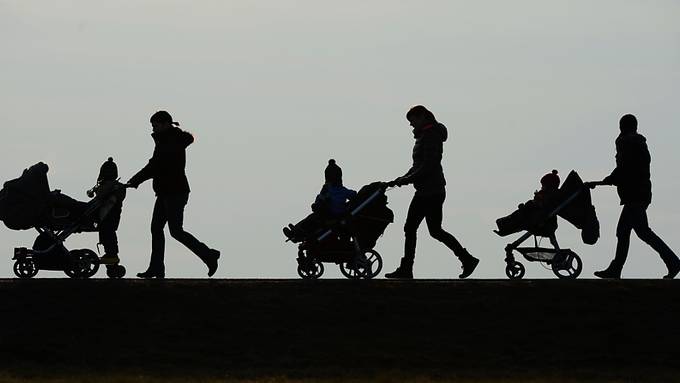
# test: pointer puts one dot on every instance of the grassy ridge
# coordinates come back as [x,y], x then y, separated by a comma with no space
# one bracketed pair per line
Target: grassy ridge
[336,330]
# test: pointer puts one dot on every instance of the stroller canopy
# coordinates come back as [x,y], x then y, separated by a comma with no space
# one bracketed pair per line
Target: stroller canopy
[23,200]
[580,211]
[370,222]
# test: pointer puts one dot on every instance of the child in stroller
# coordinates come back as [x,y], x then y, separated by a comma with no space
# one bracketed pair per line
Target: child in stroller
[340,232]
[539,218]
[329,206]
[27,203]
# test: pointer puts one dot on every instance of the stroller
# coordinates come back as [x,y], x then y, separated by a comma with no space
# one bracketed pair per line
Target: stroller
[27,203]
[573,203]
[349,242]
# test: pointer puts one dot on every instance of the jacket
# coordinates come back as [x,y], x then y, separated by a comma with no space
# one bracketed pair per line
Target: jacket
[632,175]
[426,173]
[167,164]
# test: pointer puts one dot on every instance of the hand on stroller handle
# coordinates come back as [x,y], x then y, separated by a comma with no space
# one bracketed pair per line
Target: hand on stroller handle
[593,184]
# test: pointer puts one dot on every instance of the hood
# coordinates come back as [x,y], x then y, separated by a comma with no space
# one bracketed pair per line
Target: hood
[437,128]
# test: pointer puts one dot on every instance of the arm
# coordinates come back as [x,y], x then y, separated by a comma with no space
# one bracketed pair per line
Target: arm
[145,174]
[187,139]
[429,160]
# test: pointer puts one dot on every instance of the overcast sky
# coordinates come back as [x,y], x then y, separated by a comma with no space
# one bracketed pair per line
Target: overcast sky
[273,89]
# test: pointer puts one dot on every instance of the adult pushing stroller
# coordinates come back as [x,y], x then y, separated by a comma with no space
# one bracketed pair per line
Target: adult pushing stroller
[573,203]
[27,203]
[349,241]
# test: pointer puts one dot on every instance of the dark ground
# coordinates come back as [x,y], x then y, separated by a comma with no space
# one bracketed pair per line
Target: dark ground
[254,329]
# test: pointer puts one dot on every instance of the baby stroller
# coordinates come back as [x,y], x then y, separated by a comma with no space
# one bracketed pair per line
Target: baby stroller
[349,242]
[573,203]
[27,203]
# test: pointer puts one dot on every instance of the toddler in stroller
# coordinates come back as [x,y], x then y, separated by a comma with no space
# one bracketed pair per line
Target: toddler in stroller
[27,203]
[539,218]
[329,206]
[340,232]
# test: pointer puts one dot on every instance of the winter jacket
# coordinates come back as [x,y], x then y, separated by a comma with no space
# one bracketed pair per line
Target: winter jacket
[332,200]
[426,174]
[632,176]
[166,166]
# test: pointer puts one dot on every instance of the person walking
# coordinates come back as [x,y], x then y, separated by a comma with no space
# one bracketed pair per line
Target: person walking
[427,177]
[632,180]
[167,169]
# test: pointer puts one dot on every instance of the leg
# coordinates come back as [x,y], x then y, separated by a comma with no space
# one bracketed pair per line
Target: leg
[309,225]
[416,214]
[158,221]
[107,232]
[623,230]
[433,218]
[640,224]
[174,208]
[434,224]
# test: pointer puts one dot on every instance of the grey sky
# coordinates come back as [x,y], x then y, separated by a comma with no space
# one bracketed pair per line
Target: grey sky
[272,89]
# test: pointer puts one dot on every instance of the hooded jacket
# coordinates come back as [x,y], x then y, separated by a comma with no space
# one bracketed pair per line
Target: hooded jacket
[631,175]
[167,164]
[426,173]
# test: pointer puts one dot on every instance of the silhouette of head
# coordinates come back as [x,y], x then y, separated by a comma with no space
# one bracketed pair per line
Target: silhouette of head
[628,124]
[108,171]
[550,181]
[161,121]
[333,173]
[420,116]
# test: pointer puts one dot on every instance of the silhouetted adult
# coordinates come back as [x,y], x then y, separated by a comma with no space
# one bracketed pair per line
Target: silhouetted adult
[632,180]
[166,168]
[427,177]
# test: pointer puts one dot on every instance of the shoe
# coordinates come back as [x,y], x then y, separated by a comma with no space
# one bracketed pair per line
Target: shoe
[400,273]
[212,262]
[288,232]
[150,274]
[607,274]
[109,259]
[469,266]
[673,271]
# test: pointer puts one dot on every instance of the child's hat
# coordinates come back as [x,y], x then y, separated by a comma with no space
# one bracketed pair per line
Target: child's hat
[333,173]
[108,171]
[551,181]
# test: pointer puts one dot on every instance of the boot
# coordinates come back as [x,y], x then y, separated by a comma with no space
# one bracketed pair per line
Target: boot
[469,263]
[211,262]
[150,274]
[404,271]
[673,270]
[609,273]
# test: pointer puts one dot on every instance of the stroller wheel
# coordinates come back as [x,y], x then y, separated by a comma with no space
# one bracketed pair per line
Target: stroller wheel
[351,270]
[25,268]
[83,263]
[368,267]
[568,267]
[115,271]
[310,269]
[374,264]
[514,270]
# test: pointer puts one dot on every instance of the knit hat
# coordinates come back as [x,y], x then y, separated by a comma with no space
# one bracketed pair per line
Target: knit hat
[108,171]
[333,173]
[162,117]
[551,181]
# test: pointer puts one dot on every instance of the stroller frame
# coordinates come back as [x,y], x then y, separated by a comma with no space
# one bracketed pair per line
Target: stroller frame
[354,261]
[79,263]
[565,263]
